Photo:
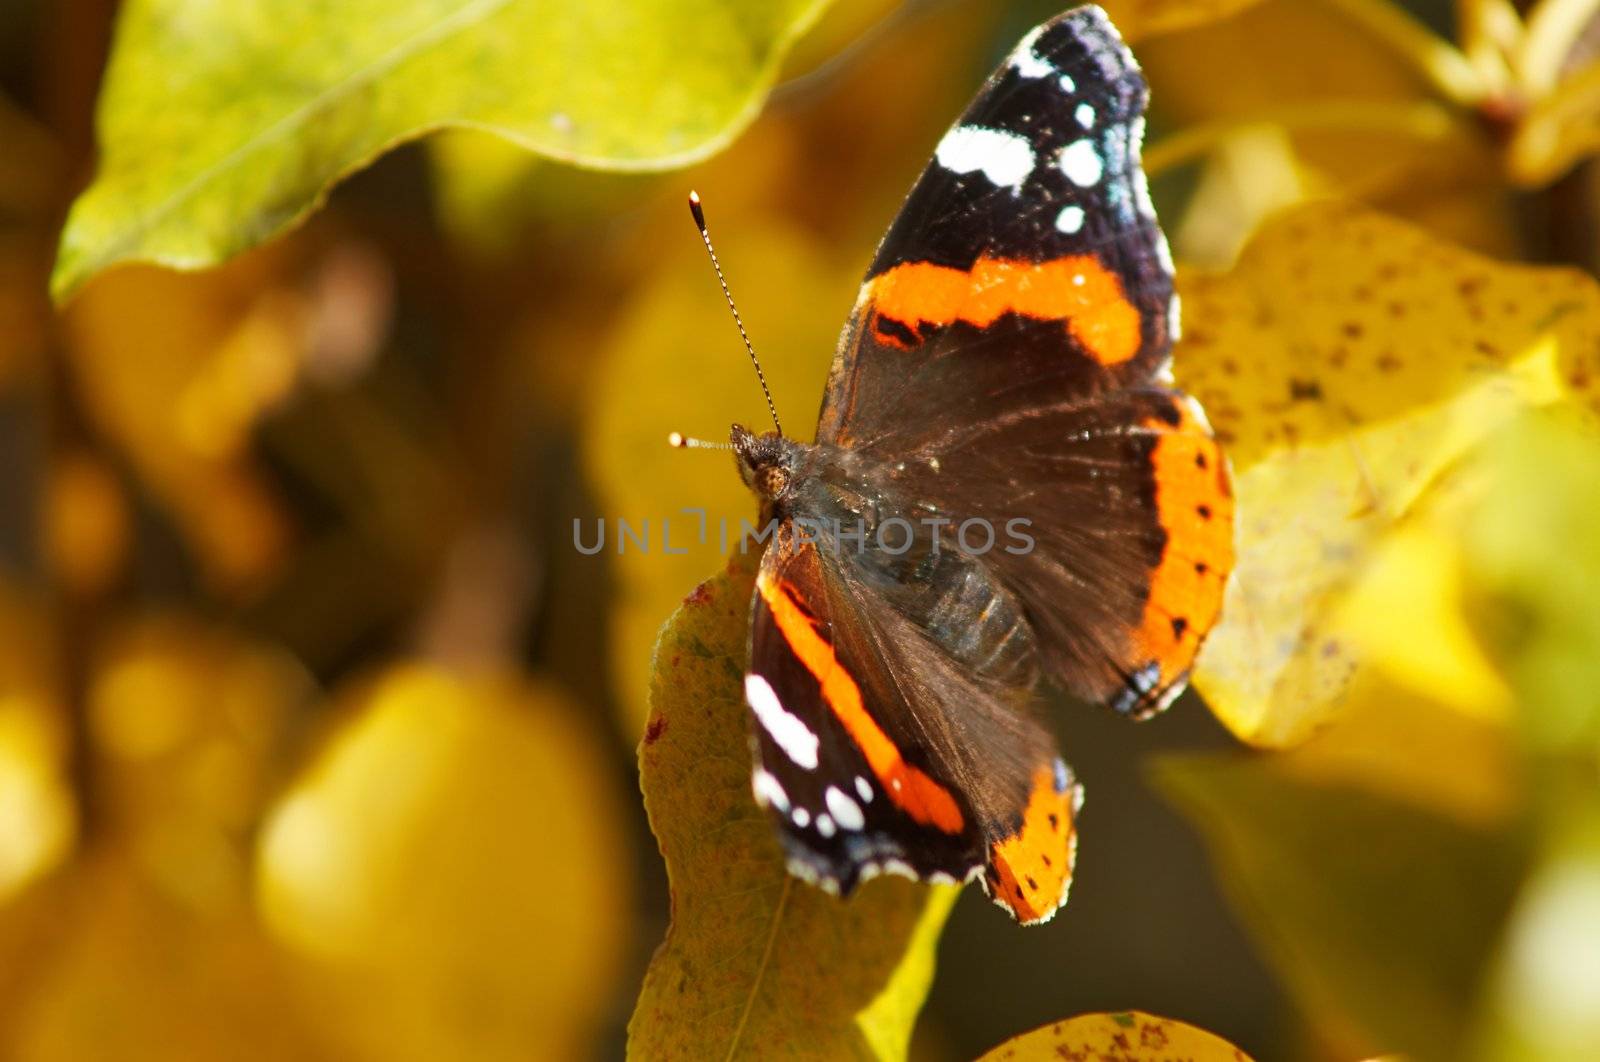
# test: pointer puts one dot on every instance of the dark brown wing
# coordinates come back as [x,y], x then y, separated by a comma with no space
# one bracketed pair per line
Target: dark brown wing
[1008,354]
[1027,263]
[876,751]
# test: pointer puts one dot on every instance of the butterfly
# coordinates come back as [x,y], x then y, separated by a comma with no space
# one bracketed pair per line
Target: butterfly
[1005,487]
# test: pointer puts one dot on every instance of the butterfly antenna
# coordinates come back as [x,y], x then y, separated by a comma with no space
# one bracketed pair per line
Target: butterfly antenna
[683,442]
[705,237]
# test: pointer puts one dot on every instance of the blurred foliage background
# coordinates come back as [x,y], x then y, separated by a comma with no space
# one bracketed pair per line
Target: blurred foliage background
[317,734]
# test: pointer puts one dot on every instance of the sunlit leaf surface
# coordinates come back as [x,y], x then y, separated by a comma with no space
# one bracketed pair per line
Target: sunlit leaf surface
[1126,1035]
[1345,362]
[38,813]
[756,963]
[220,124]
[479,907]
[1146,18]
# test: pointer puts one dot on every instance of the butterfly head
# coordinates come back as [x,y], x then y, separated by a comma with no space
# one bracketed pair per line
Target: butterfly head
[766,462]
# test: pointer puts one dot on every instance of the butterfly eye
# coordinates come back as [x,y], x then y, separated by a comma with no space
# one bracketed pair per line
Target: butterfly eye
[771,481]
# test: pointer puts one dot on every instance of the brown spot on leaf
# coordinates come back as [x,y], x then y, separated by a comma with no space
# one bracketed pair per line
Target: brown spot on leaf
[1304,391]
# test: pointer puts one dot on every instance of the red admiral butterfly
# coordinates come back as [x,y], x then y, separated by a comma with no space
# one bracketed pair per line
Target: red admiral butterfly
[1006,365]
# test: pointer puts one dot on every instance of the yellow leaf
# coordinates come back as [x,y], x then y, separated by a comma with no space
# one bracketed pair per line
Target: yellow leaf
[1470,773]
[38,815]
[1406,614]
[145,946]
[189,724]
[1544,999]
[86,523]
[1345,362]
[1532,556]
[451,873]
[1137,19]
[1128,1036]
[1358,116]
[127,973]
[757,964]
[176,371]
[1377,914]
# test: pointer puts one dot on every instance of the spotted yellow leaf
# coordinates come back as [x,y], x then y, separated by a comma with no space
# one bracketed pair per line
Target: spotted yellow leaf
[1346,361]
[1128,1036]
[756,963]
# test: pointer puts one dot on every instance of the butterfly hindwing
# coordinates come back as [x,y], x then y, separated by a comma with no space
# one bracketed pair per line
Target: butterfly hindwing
[862,780]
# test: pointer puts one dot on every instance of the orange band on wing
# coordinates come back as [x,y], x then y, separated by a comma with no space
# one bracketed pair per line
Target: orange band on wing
[1077,290]
[1194,502]
[918,795]
[1030,870]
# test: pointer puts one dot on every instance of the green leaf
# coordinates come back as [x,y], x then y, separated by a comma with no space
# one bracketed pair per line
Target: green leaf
[222,124]
[1543,1003]
[1375,911]
[1534,605]
[757,963]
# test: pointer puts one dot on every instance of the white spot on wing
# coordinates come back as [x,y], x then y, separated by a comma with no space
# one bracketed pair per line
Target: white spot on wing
[900,867]
[1085,115]
[846,812]
[864,788]
[800,817]
[825,826]
[1070,220]
[1080,161]
[1141,183]
[1005,158]
[1067,84]
[769,791]
[1025,62]
[1141,194]
[786,729]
